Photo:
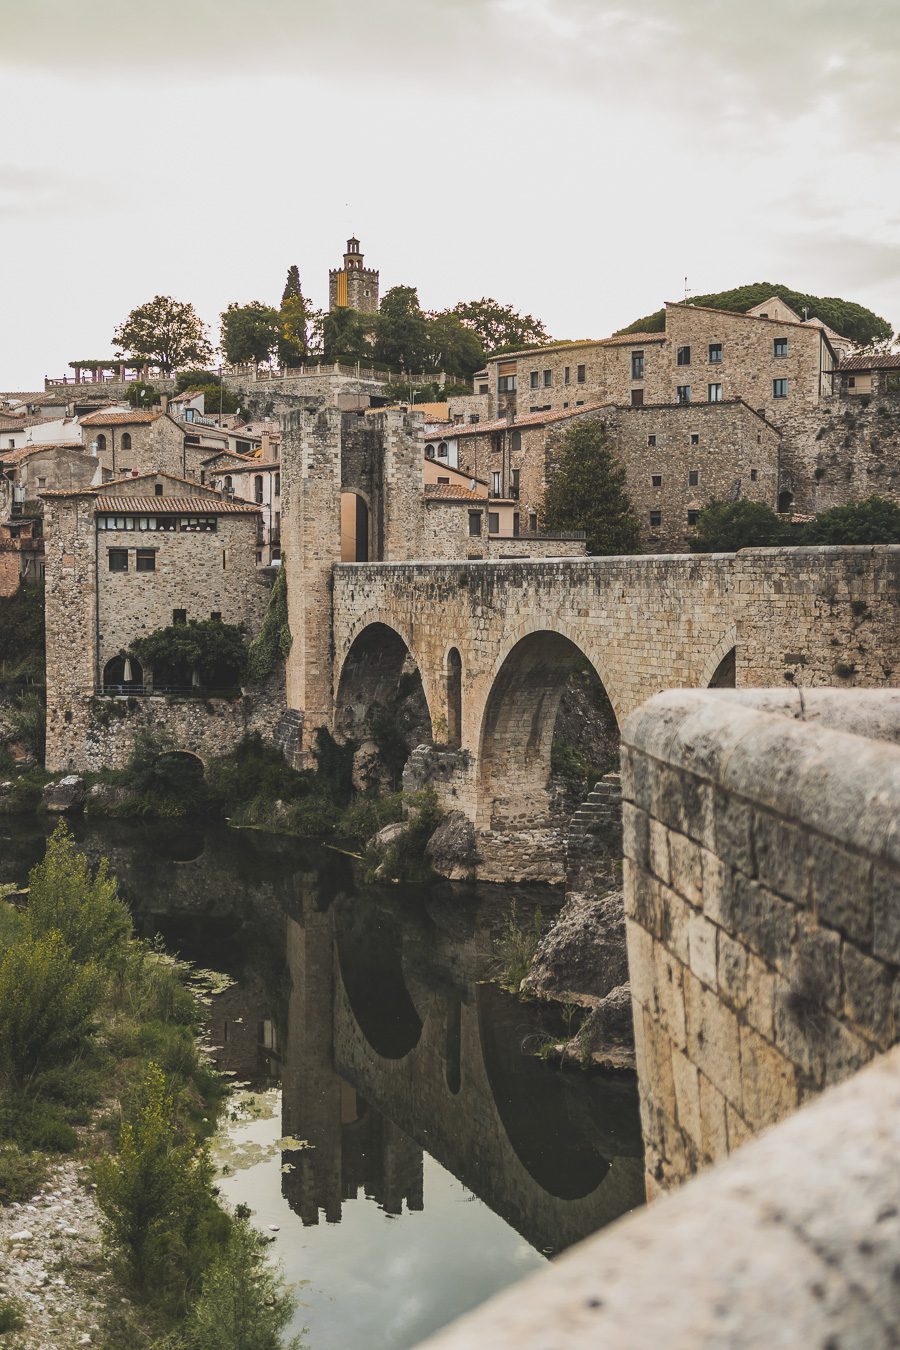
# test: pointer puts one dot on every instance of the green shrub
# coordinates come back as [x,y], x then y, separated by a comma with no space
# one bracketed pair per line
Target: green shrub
[366,815]
[216,651]
[724,527]
[404,860]
[47,1004]
[243,1304]
[873,521]
[25,794]
[22,637]
[27,719]
[21,1175]
[65,897]
[11,1316]
[34,1123]
[156,1197]
[515,948]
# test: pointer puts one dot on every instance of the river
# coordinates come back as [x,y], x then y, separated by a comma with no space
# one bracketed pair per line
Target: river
[391,1128]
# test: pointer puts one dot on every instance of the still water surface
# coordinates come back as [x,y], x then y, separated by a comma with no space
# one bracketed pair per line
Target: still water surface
[438,1159]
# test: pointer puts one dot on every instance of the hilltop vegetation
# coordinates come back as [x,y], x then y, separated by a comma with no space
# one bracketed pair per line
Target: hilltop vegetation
[844,316]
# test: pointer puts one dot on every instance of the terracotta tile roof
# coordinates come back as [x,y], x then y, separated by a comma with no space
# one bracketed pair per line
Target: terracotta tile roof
[26,451]
[526,420]
[617,340]
[449,492]
[167,506]
[113,419]
[880,361]
[258,465]
[113,487]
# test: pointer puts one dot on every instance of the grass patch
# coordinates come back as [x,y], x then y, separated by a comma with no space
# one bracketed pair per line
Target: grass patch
[515,947]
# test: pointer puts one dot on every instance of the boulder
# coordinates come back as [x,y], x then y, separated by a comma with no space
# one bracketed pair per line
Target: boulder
[66,795]
[368,772]
[103,797]
[607,1036]
[582,958]
[451,849]
[387,835]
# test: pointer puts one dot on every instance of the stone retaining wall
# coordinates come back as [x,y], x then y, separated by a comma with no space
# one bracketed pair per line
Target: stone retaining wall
[762,898]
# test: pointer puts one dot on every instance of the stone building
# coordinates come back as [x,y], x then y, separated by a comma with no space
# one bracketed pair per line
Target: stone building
[25,473]
[123,560]
[677,459]
[704,355]
[258,482]
[353,286]
[134,441]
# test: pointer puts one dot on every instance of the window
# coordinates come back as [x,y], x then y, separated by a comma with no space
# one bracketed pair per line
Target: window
[715,353]
[714,393]
[580,374]
[483,389]
[534,379]
[495,484]
[11,443]
[506,384]
[548,378]
[157,489]
[683,393]
[779,388]
[656,479]
[692,517]
[695,438]
[655,519]
[637,398]
[493,522]
[42,482]
[474,522]
[567,374]
[229,481]
[651,439]
[779,347]
[179,616]
[278,485]
[693,477]
[442,450]
[146,560]
[514,482]
[851,381]
[258,488]
[118,559]
[198,524]
[637,365]
[754,474]
[683,357]
[532,523]
[101,442]
[443,479]
[216,616]
[429,452]
[517,530]
[126,440]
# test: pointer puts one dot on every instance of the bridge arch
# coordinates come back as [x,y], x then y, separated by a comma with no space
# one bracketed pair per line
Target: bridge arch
[378,671]
[518,726]
[719,671]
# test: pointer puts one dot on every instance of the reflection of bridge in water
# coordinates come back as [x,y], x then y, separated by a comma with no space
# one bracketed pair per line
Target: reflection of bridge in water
[394,1045]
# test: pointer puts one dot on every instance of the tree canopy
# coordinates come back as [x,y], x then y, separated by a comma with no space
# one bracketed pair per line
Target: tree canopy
[249,333]
[401,330]
[452,347]
[499,327]
[844,316]
[345,335]
[165,331]
[723,527]
[586,491]
[215,651]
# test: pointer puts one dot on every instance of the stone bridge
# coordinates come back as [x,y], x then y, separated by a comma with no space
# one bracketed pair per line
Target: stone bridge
[494,643]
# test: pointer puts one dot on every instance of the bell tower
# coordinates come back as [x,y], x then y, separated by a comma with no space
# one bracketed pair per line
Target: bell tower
[353,286]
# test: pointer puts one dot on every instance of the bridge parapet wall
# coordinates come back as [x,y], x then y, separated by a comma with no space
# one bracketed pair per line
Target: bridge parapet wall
[762,897]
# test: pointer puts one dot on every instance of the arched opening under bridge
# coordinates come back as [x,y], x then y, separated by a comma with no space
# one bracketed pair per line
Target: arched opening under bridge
[725,674]
[549,733]
[380,698]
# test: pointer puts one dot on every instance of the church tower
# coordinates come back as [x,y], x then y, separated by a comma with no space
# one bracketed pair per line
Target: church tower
[353,286]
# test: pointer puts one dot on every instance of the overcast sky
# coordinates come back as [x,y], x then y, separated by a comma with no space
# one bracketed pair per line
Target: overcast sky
[576,158]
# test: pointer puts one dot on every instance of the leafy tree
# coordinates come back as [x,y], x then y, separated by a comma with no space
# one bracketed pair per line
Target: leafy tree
[345,335]
[195,379]
[453,347]
[218,398]
[243,1304]
[295,320]
[723,527]
[292,289]
[165,331]
[141,394]
[873,521]
[586,491]
[499,326]
[844,316]
[249,332]
[155,1193]
[65,897]
[215,650]
[401,330]
[47,1005]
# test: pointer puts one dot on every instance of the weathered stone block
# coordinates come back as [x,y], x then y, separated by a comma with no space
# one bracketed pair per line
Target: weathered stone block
[842,889]
[886,918]
[713,1125]
[675,915]
[844,1052]
[702,949]
[782,857]
[635,831]
[767,923]
[715,879]
[816,962]
[640,945]
[687,1098]
[769,1081]
[738,1129]
[659,851]
[713,1038]
[867,995]
[687,867]
[684,803]
[734,832]
[669,992]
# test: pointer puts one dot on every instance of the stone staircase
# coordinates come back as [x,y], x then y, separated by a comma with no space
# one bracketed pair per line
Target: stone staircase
[593,840]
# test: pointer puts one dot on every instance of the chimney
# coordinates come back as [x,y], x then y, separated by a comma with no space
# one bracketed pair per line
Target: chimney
[164,402]
[264,445]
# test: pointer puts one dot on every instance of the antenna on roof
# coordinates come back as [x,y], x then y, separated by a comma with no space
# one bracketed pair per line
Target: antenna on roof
[686,290]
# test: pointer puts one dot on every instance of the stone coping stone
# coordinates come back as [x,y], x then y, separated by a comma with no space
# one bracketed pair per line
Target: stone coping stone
[793,1241]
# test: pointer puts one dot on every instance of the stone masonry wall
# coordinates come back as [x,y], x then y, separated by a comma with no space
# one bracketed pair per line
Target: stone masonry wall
[845,450]
[762,900]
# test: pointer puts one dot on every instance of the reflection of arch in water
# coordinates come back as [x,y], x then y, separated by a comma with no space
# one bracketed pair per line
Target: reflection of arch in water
[370,962]
[518,726]
[555,1146]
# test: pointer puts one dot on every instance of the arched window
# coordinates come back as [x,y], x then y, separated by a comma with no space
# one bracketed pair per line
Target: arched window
[101,442]
[122,675]
[126,440]
[442,450]
[454,697]
[515,441]
[785,501]
[229,485]
[429,452]
[258,488]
